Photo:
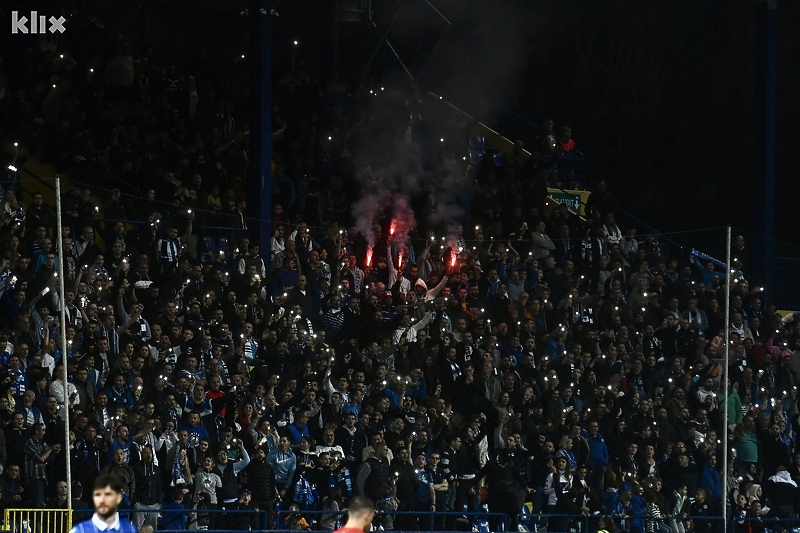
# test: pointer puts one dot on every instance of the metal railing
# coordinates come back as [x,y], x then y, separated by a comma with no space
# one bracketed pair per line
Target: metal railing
[60,520]
[37,520]
[551,522]
[284,518]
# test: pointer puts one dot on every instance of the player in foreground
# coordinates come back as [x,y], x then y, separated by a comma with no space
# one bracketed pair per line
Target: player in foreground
[107,497]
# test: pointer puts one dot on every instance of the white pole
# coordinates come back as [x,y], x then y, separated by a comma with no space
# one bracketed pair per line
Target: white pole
[63,328]
[726,378]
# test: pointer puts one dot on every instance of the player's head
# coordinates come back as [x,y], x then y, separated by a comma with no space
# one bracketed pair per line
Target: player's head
[107,495]
[361,511]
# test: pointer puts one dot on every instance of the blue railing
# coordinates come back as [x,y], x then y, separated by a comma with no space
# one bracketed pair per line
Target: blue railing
[553,522]
[589,523]
[282,517]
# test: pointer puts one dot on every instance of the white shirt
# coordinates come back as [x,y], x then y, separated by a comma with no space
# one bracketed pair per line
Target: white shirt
[102,526]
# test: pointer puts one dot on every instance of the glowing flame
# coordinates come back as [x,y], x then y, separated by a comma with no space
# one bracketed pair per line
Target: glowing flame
[400,261]
[369,257]
[391,229]
[453,258]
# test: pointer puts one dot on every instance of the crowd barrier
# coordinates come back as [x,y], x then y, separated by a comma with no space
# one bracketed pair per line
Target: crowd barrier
[766,525]
[60,521]
[223,519]
[37,520]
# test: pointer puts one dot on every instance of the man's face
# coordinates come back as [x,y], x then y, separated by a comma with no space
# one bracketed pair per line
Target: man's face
[119,457]
[29,397]
[147,454]
[420,461]
[13,471]
[381,451]
[106,502]
[222,457]
[51,404]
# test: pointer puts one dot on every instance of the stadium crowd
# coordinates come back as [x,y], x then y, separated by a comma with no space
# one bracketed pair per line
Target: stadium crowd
[460,342]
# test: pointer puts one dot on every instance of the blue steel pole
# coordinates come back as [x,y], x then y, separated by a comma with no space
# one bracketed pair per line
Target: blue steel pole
[259,186]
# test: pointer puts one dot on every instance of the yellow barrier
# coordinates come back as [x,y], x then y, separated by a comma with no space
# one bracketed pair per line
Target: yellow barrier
[38,520]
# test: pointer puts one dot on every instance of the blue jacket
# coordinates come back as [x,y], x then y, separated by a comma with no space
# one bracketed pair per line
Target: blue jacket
[173,516]
[598,451]
[709,480]
[554,349]
[638,505]
[296,433]
[610,499]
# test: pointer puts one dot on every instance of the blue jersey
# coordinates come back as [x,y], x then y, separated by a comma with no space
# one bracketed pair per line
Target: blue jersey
[95,525]
[424,481]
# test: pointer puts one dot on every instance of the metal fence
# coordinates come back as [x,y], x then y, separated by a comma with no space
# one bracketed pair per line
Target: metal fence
[191,519]
[571,523]
[38,520]
[60,521]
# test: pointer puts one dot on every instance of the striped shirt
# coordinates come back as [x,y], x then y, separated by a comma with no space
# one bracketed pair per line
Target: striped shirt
[35,469]
[168,249]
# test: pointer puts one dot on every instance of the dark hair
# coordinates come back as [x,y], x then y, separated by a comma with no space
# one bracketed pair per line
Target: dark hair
[108,480]
[360,505]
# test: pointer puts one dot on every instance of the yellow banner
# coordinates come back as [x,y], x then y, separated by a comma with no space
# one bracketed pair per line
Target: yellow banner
[574,199]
